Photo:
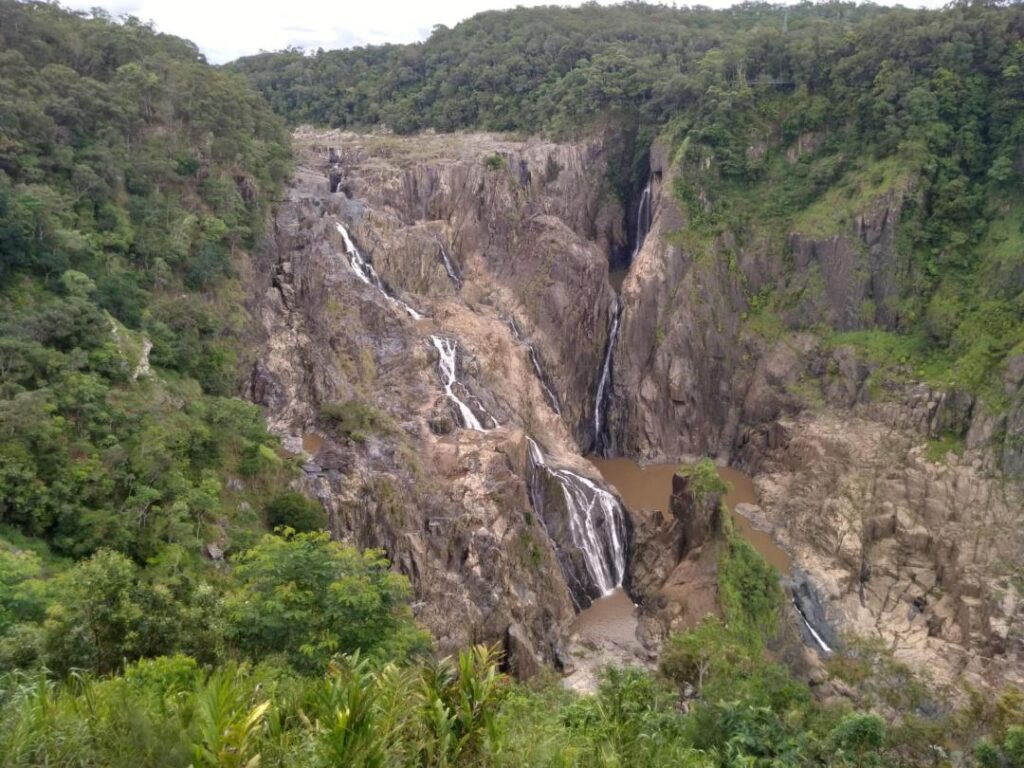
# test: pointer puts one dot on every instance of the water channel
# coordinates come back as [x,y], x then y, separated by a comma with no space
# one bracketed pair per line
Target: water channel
[650,488]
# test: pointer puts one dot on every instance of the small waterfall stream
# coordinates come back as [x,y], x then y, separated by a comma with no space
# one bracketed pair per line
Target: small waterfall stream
[604,383]
[603,394]
[545,384]
[448,367]
[449,266]
[364,271]
[596,524]
[643,221]
[826,649]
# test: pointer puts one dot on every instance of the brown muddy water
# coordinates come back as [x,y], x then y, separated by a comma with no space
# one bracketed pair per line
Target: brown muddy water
[650,487]
[608,618]
[613,617]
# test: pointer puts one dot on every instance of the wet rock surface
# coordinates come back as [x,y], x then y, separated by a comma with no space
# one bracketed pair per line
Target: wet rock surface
[397,469]
[916,551]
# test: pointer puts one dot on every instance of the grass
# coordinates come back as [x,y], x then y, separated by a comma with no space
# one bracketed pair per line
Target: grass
[939,447]
[834,211]
[900,356]
[353,419]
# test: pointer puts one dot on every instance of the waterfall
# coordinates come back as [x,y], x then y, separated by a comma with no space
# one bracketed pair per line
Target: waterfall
[809,608]
[603,395]
[552,397]
[817,638]
[603,388]
[447,367]
[643,221]
[553,401]
[364,271]
[596,526]
[449,267]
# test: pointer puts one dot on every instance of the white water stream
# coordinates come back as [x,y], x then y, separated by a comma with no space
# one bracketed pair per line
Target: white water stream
[597,524]
[643,224]
[447,366]
[643,221]
[449,267]
[364,271]
[810,628]
[601,400]
[553,401]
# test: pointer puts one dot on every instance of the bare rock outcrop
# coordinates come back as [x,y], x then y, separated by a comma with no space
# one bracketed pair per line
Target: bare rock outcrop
[674,561]
[395,465]
[529,226]
[914,550]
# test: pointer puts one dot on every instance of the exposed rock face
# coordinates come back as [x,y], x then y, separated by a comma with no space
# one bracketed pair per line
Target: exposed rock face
[520,657]
[808,421]
[685,365]
[676,390]
[449,505]
[504,245]
[859,272]
[529,227]
[916,551]
[674,562]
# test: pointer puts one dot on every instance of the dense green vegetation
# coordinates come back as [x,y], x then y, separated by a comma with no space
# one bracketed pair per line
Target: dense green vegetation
[134,179]
[787,119]
[147,617]
[281,684]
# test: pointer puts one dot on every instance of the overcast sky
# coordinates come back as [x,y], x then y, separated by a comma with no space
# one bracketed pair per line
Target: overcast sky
[227,29]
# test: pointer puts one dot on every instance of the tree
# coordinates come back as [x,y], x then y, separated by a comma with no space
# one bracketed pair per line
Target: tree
[858,738]
[307,598]
[98,621]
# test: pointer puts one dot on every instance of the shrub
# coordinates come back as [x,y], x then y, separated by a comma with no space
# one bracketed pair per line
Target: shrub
[749,590]
[295,511]
[307,598]
[857,739]
[352,418]
[704,479]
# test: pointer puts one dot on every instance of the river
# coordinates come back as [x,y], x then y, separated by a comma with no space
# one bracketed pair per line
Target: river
[650,487]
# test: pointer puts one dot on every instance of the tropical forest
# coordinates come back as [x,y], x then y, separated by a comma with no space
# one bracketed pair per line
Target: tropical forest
[601,385]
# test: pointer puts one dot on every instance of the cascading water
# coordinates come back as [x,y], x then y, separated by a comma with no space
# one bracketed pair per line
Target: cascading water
[809,607]
[364,271]
[447,367]
[643,221]
[596,524]
[604,382]
[603,395]
[449,267]
[826,649]
[553,401]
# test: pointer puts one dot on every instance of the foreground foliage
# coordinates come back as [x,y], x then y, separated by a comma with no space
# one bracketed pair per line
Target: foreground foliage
[134,179]
[306,667]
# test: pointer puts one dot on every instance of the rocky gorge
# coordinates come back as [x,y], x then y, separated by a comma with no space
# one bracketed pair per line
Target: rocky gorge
[436,313]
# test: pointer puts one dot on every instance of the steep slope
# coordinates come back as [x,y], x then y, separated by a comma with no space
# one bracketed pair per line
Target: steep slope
[892,493]
[423,380]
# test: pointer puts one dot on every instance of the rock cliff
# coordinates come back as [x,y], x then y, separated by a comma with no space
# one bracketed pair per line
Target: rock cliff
[500,249]
[494,243]
[910,546]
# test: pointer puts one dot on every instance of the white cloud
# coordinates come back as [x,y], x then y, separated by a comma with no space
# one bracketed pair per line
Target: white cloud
[227,29]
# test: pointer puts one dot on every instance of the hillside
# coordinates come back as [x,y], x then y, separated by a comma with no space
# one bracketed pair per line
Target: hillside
[617,385]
